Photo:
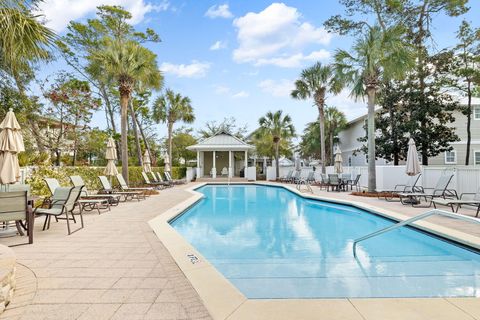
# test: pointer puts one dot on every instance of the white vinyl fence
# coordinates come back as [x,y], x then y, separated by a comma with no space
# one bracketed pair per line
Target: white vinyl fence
[465,179]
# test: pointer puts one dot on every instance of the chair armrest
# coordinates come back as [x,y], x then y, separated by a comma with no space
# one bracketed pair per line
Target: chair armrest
[465,193]
[400,185]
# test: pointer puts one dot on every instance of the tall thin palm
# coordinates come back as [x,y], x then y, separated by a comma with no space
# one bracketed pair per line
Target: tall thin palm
[377,56]
[335,121]
[279,127]
[130,65]
[314,83]
[170,108]
[24,39]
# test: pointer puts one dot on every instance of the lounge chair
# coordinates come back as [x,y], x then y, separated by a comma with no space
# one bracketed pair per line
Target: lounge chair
[439,191]
[107,188]
[91,202]
[295,177]
[14,207]
[354,183]
[124,186]
[63,202]
[168,177]
[323,181]
[408,187]
[157,177]
[309,179]
[154,184]
[288,177]
[474,201]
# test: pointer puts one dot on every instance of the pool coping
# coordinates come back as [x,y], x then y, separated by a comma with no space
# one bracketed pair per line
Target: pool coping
[224,301]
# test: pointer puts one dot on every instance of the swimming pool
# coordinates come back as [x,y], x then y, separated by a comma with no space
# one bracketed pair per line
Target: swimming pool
[272,243]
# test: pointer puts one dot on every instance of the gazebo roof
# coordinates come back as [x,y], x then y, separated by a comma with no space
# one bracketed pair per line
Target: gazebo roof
[221,141]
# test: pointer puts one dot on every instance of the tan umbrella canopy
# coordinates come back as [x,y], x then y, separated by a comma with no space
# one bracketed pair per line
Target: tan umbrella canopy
[111,156]
[412,167]
[338,161]
[146,162]
[11,143]
[167,162]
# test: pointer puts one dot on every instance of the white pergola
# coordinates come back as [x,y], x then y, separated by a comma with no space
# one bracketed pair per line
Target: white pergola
[219,154]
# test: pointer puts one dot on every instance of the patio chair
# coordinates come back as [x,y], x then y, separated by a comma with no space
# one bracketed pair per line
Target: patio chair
[157,177]
[63,202]
[439,191]
[14,207]
[124,186]
[94,201]
[224,172]
[287,177]
[168,177]
[107,188]
[296,177]
[354,183]
[474,201]
[334,182]
[154,184]
[308,180]
[409,186]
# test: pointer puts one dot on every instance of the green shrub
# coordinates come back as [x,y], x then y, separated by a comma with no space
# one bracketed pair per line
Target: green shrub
[89,175]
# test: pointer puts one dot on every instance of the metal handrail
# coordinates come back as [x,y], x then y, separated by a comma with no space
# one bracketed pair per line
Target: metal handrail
[409,221]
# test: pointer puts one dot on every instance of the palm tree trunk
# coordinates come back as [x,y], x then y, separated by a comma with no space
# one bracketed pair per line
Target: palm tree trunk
[277,163]
[124,97]
[144,138]
[372,179]
[321,122]
[135,132]
[170,143]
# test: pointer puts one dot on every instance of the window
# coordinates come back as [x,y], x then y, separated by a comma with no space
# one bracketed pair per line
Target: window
[366,159]
[476,158]
[450,157]
[476,112]
[350,161]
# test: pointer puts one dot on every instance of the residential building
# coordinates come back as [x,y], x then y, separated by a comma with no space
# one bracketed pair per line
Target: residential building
[350,146]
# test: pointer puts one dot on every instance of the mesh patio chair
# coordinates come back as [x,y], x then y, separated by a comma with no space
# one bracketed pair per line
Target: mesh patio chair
[439,191]
[155,184]
[113,199]
[63,202]
[127,195]
[354,183]
[409,186]
[160,179]
[14,207]
[90,202]
[168,177]
[468,201]
[124,186]
[334,182]
[287,177]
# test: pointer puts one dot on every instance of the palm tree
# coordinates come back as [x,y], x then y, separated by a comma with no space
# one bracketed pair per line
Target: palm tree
[24,39]
[315,82]
[378,56]
[335,121]
[277,126]
[130,65]
[170,108]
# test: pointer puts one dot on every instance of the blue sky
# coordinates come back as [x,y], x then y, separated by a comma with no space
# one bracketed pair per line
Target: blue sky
[237,58]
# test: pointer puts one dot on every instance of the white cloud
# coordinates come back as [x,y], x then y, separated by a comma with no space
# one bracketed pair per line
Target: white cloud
[280,88]
[241,94]
[196,69]
[294,60]
[219,11]
[218,45]
[220,89]
[277,32]
[58,13]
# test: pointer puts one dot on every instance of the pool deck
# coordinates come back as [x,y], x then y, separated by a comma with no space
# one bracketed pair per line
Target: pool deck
[117,268]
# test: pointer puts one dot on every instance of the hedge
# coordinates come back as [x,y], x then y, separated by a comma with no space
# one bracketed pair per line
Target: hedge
[89,175]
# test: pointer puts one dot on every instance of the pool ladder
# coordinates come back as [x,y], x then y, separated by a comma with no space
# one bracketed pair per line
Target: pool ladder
[411,220]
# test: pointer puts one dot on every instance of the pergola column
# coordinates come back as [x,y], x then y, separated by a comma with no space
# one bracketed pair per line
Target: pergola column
[230,164]
[246,163]
[198,164]
[214,167]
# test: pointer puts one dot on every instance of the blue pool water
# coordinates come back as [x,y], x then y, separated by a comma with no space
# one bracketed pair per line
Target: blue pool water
[271,243]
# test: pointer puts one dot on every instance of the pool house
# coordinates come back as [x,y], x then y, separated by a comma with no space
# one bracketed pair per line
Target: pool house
[221,156]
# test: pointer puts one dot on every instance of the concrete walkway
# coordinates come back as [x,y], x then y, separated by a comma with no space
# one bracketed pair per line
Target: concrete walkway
[115,268]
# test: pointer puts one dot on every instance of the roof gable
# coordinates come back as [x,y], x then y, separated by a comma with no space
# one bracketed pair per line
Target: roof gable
[221,140]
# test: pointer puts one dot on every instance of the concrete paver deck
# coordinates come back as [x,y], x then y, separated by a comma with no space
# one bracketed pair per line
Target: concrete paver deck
[115,268]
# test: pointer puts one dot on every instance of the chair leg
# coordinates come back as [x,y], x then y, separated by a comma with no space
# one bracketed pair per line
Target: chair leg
[68,222]
[45,223]
[19,228]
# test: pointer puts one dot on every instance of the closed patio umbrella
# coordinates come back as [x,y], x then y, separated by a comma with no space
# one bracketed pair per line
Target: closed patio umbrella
[111,156]
[338,161]
[11,143]
[412,167]
[146,162]
[167,162]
